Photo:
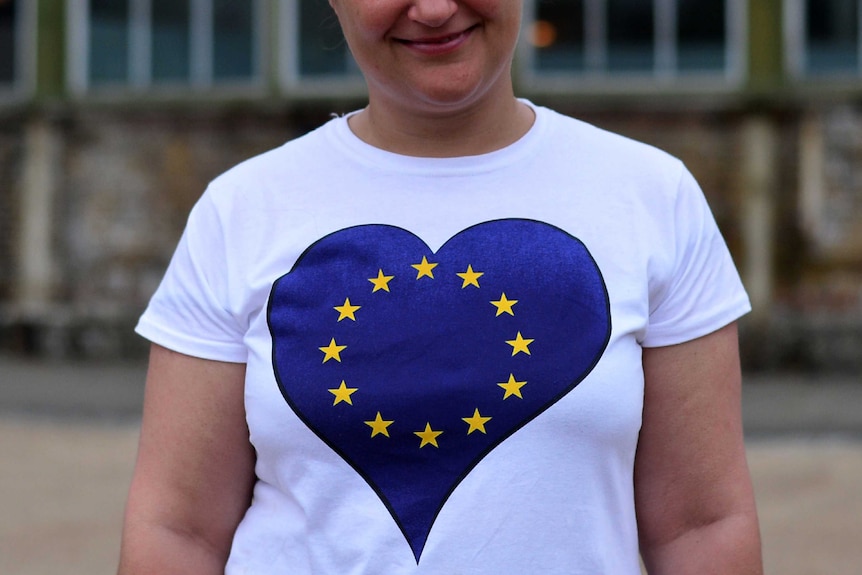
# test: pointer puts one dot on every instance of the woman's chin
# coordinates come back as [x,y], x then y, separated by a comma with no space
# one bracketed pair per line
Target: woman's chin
[449,96]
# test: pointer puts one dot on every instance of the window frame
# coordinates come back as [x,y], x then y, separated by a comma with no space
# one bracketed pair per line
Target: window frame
[663,77]
[139,64]
[796,44]
[23,83]
[291,80]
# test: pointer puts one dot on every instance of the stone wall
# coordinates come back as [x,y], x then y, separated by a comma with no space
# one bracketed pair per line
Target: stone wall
[819,301]
[10,163]
[130,181]
[785,186]
[127,178]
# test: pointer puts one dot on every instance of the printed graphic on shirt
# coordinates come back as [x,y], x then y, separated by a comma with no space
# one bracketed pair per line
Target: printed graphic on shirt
[413,365]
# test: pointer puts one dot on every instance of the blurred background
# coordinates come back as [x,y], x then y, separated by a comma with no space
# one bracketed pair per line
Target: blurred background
[114,115]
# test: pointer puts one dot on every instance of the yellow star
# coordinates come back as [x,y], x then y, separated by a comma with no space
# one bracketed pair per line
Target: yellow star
[512,387]
[347,310]
[381,282]
[332,351]
[504,305]
[379,426]
[476,423]
[428,436]
[520,344]
[343,393]
[470,277]
[424,269]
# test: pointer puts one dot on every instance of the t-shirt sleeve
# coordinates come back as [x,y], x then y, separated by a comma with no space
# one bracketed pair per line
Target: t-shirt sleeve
[701,291]
[190,311]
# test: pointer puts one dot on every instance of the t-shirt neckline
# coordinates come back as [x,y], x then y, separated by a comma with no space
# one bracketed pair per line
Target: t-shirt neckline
[360,151]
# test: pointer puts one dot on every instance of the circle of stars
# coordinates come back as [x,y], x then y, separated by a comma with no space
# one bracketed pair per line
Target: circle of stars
[428,436]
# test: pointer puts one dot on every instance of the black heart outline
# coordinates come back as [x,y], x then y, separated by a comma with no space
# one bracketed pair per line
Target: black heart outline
[418,546]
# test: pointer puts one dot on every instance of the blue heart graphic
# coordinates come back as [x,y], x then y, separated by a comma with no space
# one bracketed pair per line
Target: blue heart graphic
[413,365]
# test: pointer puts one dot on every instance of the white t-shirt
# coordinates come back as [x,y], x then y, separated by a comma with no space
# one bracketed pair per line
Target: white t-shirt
[443,355]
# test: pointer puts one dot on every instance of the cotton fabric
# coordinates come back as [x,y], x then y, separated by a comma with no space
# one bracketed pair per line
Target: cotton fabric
[555,494]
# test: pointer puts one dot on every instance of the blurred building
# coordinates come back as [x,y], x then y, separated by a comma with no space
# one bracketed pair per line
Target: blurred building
[114,114]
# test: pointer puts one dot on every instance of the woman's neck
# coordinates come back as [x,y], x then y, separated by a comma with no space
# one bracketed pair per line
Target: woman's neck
[468,132]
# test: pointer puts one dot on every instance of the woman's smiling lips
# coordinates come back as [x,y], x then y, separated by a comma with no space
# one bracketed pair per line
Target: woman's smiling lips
[438,45]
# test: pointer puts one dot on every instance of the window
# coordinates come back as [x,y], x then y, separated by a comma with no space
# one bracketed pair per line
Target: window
[630,38]
[8,48]
[314,56]
[322,48]
[17,34]
[153,43]
[824,37]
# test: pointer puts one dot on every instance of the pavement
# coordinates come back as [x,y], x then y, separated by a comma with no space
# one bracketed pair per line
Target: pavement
[68,434]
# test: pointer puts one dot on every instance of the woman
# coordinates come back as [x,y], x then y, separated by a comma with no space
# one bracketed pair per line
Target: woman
[450,333]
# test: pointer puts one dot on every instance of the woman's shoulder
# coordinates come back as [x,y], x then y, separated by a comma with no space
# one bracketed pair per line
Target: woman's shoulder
[604,142]
[584,147]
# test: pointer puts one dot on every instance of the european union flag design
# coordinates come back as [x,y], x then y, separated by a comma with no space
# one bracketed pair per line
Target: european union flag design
[413,365]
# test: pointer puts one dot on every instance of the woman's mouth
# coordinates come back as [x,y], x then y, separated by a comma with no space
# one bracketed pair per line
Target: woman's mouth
[439,44]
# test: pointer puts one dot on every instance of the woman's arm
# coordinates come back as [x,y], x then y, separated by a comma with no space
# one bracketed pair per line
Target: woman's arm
[195,468]
[693,493]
